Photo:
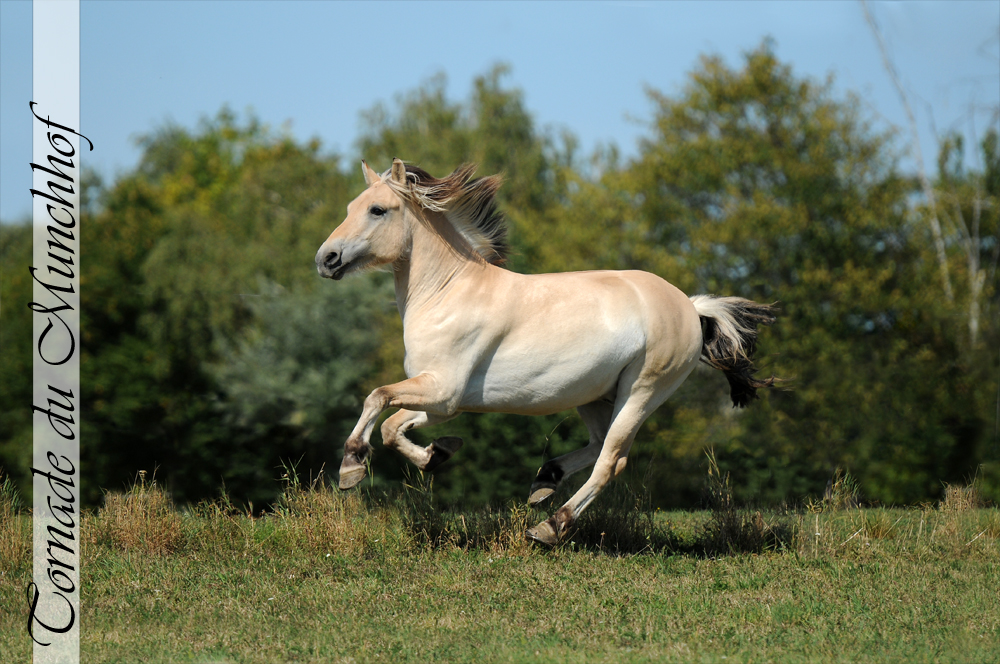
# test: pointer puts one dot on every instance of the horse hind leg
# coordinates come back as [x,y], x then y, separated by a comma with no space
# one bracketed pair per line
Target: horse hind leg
[637,399]
[597,417]
[610,462]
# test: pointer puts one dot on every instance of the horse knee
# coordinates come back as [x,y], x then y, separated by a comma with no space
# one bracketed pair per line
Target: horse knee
[378,400]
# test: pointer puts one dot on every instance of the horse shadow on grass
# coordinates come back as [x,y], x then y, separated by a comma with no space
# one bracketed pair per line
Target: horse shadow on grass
[620,522]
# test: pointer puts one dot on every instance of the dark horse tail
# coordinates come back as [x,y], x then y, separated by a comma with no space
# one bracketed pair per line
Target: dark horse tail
[729,339]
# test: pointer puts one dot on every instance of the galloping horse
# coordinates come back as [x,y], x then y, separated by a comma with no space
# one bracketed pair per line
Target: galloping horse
[479,338]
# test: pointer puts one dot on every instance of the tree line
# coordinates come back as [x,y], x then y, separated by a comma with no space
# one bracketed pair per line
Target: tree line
[214,355]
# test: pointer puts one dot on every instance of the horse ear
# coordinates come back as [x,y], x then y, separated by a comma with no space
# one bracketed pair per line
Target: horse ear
[398,171]
[370,175]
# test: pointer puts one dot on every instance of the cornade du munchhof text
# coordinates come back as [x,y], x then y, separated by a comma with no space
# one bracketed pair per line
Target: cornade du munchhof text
[53,594]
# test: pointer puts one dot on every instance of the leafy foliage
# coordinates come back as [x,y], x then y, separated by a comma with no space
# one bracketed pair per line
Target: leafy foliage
[759,184]
[295,374]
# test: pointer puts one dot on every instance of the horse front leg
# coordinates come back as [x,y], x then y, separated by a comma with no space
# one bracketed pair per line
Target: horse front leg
[425,458]
[421,392]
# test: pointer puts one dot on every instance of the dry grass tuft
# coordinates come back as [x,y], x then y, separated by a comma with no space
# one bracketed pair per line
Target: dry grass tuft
[621,521]
[324,519]
[731,529]
[221,523]
[842,491]
[427,524]
[141,519]
[498,530]
[878,525]
[15,528]
[990,524]
[959,498]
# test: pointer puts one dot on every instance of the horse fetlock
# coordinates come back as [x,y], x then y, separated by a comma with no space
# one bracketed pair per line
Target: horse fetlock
[440,451]
[357,449]
[553,529]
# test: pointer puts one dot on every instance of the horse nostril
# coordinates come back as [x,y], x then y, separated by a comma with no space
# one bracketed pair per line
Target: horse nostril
[332,260]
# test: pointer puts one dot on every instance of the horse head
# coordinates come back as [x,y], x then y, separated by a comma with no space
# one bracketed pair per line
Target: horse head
[375,231]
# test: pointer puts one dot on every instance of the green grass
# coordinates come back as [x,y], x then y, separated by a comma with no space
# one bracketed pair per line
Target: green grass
[359,578]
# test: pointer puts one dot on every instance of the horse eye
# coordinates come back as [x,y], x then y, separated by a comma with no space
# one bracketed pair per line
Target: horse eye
[376,211]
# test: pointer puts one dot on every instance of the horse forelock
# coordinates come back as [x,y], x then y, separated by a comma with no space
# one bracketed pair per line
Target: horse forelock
[469,204]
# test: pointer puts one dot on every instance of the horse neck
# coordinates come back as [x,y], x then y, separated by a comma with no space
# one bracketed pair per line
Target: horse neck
[439,257]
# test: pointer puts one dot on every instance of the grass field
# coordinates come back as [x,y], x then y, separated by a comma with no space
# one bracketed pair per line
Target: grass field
[360,578]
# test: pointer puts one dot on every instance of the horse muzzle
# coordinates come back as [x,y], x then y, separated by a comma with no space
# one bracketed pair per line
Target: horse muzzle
[331,265]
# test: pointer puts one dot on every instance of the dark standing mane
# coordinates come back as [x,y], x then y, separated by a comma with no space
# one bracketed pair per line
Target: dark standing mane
[470,205]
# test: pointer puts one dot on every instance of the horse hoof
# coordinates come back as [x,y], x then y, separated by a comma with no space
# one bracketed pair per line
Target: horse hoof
[540,493]
[351,476]
[442,449]
[543,533]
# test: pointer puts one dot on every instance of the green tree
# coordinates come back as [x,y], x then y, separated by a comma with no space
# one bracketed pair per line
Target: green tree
[173,258]
[492,129]
[15,353]
[294,374]
[967,202]
[16,287]
[760,184]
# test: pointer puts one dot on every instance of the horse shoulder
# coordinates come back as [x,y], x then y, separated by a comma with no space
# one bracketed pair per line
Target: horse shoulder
[450,335]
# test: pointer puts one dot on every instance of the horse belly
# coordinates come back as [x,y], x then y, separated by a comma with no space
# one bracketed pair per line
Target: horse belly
[548,377]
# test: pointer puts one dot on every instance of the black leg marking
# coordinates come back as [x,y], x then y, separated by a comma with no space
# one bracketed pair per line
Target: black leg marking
[546,482]
[550,473]
[442,449]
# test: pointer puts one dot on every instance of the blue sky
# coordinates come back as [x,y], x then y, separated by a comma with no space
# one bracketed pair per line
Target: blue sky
[313,66]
